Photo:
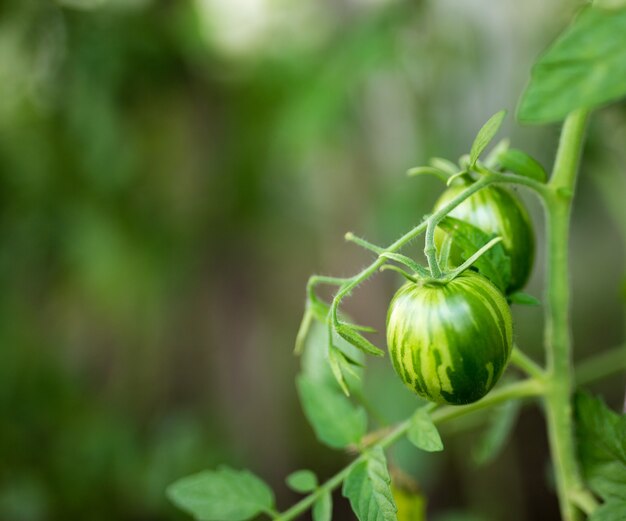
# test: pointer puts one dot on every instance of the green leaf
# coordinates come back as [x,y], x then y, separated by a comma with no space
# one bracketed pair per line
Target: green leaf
[335,420]
[584,68]
[316,358]
[524,299]
[323,508]
[302,481]
[422,432]
[501,423]
[338,368]
[601,437]
[303,331]
[347,332]
[485,135]
[518,162]
[222,495]
[491,161]
[495,264]
[444,165]
[367,486]
[612,510]
[319,309]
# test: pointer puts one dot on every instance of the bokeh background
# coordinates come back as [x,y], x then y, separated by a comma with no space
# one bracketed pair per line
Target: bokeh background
[172,171]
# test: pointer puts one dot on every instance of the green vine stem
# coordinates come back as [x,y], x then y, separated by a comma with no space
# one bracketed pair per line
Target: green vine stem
[488,177]
[524,389]
[595,368]
[557,197]
[557,330]
[526,364]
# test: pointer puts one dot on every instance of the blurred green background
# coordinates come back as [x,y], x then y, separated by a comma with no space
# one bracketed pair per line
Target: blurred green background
[170,174]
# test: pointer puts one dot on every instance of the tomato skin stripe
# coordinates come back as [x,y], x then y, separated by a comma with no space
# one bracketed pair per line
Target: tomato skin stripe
[498,212]
[450,343]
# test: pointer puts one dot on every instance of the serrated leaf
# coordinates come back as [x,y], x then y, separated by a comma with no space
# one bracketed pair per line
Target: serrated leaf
[601,435]
[302,481]
[485,135]
[494,264]
[368,489]
[348,333]
[523,299]
[222,495]
[335,420]
[519,162]
[422,432]
[323,508]
[501,422]
[612,510]
[584,68]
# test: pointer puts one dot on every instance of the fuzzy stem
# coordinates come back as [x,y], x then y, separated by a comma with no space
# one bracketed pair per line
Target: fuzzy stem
[526,364]
[557,328]
[524,389]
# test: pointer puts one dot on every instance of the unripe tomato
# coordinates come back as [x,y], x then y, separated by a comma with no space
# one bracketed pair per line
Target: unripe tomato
[450,342]
[496,211]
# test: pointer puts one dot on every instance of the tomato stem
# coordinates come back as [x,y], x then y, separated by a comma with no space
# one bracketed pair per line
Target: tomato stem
[526,364]
[350,237]
[557,326]
[523,389]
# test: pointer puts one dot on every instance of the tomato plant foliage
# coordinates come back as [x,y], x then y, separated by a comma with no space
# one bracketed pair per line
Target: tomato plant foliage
[450,328]
[584,68]
[601,437]
[491,212]
[222,495]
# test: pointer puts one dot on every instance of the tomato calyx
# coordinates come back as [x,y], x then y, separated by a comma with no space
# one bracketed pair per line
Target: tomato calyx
[422,277]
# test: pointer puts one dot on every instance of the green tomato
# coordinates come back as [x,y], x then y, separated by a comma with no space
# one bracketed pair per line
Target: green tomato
[495,211]
[450,342]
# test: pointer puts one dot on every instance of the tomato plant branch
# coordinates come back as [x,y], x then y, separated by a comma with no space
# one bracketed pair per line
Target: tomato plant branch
[430,250]
[350,237]
[526,364]
[587,371]
[347,285]
[524,389]
[557,331]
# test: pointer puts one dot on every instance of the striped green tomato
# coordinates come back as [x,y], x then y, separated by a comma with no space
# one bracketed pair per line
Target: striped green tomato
[496,211]
[450,342]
